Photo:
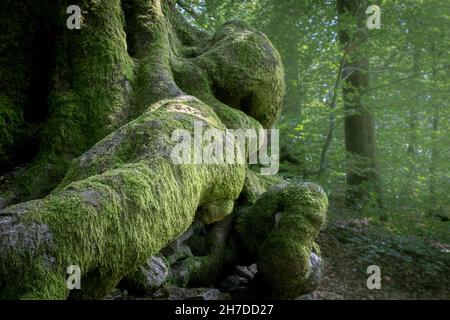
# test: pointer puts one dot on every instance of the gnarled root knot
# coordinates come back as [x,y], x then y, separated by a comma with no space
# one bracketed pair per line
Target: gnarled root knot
[279,232]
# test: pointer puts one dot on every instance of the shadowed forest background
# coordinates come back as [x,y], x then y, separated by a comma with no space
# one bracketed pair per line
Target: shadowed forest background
[347,87]
[85,123]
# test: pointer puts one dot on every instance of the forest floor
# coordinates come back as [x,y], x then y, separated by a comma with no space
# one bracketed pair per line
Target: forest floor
[412,266]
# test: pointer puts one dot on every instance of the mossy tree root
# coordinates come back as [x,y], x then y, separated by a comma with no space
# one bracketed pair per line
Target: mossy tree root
[122,202]
[278,231]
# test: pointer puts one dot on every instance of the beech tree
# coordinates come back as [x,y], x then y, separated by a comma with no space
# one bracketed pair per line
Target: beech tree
[359,123]
[87,114]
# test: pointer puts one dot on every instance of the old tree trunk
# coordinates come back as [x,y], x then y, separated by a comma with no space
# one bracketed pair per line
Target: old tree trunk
[86,120]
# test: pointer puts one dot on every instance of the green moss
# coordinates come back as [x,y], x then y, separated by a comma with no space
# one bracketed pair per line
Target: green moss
[10,120]
[205,270]
[279,230]
[135,204]
[153,41]
[245,71]
[101,67]
[256,184]
[15,40]
[239,68]
[89,95]
[214,211]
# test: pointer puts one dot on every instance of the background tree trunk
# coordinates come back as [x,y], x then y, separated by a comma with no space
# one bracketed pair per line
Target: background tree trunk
[414,121]
[360,144]
[323,163]
[435,124]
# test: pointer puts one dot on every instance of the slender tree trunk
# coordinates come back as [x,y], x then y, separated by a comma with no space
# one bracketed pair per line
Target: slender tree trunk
[323,165]
[434,133]
[413,119]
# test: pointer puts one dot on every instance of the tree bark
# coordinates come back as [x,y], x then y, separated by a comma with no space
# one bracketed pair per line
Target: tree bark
[360,143]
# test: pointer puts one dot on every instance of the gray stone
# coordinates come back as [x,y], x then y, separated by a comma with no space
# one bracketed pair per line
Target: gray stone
[234,282]
[155,272]
[3,203]
[244,272]
[315,273]
[253,268]
[148,277]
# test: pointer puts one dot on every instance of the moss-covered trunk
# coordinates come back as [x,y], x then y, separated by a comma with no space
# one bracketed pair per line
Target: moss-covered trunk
[110,95]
